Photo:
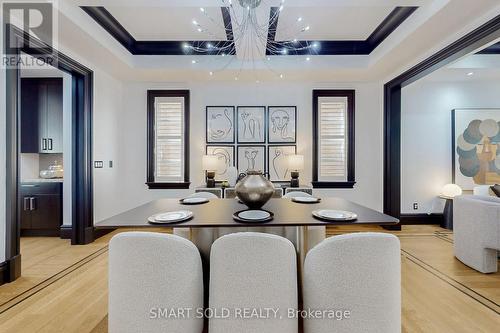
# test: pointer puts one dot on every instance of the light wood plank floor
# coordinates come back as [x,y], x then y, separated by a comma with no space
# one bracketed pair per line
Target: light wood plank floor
[64,288]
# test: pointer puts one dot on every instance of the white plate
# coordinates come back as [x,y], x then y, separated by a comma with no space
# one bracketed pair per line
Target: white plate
[335,215]
[305,199]
[253,215]
[194,200]
[171,217]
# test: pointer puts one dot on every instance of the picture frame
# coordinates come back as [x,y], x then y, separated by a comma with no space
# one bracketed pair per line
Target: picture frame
[225,154]
[473,130]
[251,124]
[251,158]
[282,124]
[277,162]
[220,124]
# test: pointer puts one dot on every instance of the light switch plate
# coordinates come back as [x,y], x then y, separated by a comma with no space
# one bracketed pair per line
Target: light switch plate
[98,164]
[110,164]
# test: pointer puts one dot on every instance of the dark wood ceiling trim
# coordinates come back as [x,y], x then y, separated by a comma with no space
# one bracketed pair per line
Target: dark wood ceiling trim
[326,47]
[493,49]
[342,47]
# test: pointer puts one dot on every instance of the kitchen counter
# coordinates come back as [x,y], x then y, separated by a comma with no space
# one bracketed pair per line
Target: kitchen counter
[43,180]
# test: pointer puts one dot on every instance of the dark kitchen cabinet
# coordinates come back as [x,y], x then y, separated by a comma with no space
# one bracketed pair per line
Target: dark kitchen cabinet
[40,206]
[41,115]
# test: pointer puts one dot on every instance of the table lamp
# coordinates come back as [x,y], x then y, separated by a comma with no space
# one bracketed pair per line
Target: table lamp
[295,164]
[449,191]
[210,165]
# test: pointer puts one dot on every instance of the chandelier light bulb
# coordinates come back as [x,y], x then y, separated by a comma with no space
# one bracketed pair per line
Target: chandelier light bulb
[202,9]
[281,8]
[211,73]
[199,30]
[308,58]
[193,61]
[195,23]
[281,76]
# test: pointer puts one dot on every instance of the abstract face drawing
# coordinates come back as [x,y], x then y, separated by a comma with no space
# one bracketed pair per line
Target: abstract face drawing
[220,125]
[280,120]
[224,159]
[250,156]
[251,126]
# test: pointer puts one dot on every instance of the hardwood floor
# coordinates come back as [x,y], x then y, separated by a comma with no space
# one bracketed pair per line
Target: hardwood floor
[64,288]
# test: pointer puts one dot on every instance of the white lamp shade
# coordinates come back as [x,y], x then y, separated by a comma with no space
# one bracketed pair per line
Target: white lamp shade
[210,162]
[451,191]
[296,162]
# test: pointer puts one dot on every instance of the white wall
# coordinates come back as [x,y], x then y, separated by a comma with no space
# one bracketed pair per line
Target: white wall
[2,166]
[67,147]
[426,136]
[124,186]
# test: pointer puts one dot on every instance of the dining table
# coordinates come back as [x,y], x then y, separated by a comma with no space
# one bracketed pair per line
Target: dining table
[219,213]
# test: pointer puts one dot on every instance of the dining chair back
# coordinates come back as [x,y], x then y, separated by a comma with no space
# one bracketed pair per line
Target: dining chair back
[207,195]
[148,273]
[296,194]
[253,271]
[358,276]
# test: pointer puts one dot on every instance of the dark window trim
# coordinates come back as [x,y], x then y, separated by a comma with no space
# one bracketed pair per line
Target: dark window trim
[350,94]
[150,180]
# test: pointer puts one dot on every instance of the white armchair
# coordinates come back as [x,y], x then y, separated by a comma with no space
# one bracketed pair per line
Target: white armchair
[477,231]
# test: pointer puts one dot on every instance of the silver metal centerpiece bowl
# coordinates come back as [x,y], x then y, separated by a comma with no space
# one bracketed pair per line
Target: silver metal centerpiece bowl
[254,190]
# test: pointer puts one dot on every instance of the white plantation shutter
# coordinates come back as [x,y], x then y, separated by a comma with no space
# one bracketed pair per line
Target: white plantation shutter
[332,145]
[169,139]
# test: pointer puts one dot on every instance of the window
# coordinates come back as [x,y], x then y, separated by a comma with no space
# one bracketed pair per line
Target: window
[333,138]
[168,139]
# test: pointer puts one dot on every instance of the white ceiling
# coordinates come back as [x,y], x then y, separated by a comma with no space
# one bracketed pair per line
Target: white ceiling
[164,23]
[330,23]
[435,25]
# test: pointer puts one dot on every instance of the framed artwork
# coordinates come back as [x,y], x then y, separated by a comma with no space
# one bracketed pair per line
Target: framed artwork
[282,122]
[225,154]
[251,124]
[278,162]
[476,147]
[251,158]
[220,124]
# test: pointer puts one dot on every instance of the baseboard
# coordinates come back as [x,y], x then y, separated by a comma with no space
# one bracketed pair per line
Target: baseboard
[10,269]
[40,233]
[421,218]
[67,231]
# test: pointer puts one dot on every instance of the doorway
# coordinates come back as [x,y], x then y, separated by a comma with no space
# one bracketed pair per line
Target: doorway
[82,230]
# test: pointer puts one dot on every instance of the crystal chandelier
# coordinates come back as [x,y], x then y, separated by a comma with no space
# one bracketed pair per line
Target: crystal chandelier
[249,39]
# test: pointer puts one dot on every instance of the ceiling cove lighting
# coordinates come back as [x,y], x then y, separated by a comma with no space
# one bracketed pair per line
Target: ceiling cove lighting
[248,32]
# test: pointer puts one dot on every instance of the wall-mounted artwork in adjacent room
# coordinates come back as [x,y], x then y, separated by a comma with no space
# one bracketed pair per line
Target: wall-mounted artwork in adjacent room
[251,124]
[476,147]
[282,124]
[251,158]
[225,154]
[220,124]
[277,159]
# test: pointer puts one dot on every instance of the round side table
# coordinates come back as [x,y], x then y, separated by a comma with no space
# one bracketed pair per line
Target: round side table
[447,213]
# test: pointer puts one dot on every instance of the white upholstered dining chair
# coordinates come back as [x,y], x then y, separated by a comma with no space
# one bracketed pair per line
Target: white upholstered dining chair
[254,271]
[201,237]
[359,273]
[315,234]
[151,271]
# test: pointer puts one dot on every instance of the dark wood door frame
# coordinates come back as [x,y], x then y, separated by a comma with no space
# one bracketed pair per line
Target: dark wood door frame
[471,42]
[81,144]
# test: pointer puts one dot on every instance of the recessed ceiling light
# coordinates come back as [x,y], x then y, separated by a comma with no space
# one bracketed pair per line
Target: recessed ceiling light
[268,58]
[470,73]
[193,61]
[308,58]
